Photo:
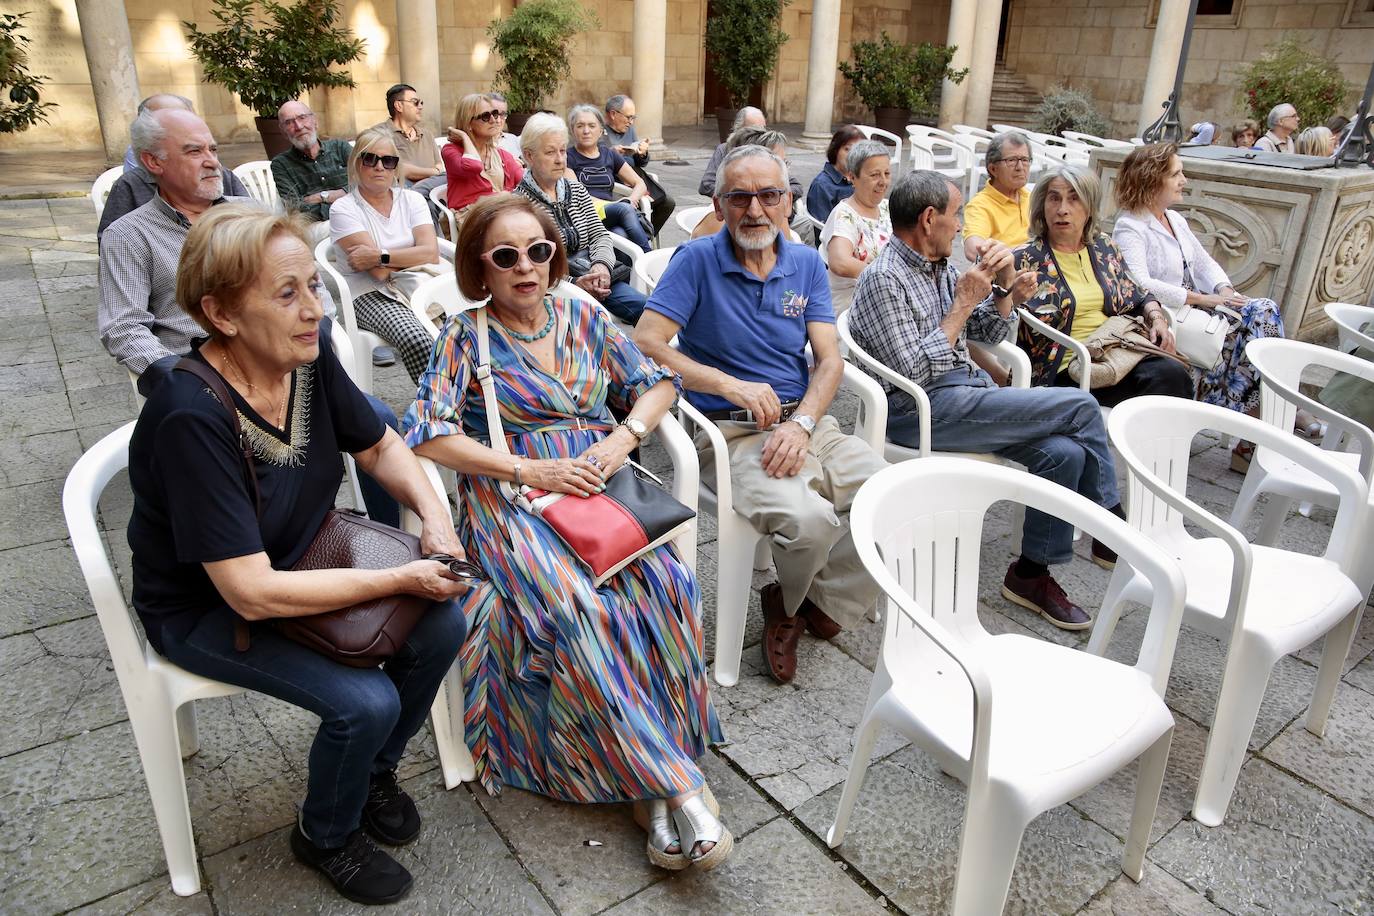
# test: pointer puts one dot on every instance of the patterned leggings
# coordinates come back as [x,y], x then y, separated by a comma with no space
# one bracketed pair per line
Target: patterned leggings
[395,323]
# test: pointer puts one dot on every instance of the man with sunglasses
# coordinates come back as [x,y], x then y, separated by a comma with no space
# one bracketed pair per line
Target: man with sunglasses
[313,173]
[422,169]
[744,304]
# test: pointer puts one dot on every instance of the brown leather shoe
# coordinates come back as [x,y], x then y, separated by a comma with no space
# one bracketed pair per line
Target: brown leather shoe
[818,623]
[780,635]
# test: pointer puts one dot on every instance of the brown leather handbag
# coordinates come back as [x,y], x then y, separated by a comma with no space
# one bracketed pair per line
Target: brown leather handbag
[365,634]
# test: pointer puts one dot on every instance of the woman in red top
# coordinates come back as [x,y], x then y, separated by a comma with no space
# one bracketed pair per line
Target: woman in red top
[475,164]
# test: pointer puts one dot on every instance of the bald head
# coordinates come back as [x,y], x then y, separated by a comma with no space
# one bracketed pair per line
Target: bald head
[298,123]
[748,116]
[165,100]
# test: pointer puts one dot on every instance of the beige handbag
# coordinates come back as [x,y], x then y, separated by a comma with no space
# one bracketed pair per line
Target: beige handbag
[1115,348]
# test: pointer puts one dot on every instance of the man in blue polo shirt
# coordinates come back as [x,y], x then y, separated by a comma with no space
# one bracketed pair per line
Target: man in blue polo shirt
[744,303]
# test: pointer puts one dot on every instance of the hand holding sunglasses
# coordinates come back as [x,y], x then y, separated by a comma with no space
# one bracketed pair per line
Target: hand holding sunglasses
[459,569]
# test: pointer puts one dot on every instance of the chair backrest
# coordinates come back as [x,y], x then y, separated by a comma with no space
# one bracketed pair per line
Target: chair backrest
[877,133]
[688,217]
[650,267]
[257,178]
[860,357]
[972,131]
[80,498]
[922,157]
[918,527]
[441,292]
[100,190]
[1351,324]
[324,260]
[439,197]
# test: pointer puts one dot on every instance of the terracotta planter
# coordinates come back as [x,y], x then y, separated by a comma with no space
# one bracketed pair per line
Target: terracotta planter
[274,139]
[892,120]
[515,121]
[725,117]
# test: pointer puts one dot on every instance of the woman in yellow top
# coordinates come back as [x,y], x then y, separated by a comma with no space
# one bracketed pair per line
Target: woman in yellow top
[1001,211]
[1082,282]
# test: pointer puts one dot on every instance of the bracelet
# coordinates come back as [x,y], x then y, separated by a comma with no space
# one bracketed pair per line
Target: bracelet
[516,469]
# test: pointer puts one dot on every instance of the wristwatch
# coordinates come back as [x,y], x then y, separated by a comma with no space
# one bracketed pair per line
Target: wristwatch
[804,422]
[386,257]
[636,428]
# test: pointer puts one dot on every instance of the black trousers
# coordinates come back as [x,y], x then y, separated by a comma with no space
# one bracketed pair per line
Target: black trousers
[1152,375]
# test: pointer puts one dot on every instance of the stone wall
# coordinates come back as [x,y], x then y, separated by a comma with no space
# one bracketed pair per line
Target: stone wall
[1104,48]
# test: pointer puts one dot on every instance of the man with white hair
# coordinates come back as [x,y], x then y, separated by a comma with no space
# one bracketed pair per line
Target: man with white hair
[744,304]
[313,173]
[748,116]
[1283,123]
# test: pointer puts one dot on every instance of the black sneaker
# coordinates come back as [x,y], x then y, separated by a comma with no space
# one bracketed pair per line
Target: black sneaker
[1103,555]
[389,815]
[358,870]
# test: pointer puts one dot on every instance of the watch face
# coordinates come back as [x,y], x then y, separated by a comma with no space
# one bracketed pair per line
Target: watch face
[637,427]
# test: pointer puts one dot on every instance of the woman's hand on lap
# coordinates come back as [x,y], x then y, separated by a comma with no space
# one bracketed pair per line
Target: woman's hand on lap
[610,453]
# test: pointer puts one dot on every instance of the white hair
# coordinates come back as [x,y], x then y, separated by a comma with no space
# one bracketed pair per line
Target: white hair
[1278,113]
[538,128]
[748,152]
[146,134]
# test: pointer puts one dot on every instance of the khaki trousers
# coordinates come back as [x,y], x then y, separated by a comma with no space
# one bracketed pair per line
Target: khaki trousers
[807,516]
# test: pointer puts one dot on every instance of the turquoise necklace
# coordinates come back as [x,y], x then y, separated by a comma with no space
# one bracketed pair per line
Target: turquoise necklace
[539,335]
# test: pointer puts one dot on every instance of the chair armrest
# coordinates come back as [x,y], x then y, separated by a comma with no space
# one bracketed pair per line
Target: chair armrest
[902,384]
[872,423]
[1080,351]
[686,478]
[1010,355]
[719,456]
[620,243]
[410,522]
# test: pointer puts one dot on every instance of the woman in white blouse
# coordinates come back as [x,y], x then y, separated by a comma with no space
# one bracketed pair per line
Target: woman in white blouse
[379,229]
[1166,258]
[858,227]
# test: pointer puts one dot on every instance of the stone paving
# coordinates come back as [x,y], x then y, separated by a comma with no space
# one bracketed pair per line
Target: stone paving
[78,833]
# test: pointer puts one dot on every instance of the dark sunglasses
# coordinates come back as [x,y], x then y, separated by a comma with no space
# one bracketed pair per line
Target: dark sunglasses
[487,117]
[463,569]
[740,200]
[371,159]
[505,257]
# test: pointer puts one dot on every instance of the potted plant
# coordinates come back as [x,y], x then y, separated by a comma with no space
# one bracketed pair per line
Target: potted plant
[1064,109]
[1290,71]
[899,82]
[268,53]
[743,38]
[533,43]
[24,108]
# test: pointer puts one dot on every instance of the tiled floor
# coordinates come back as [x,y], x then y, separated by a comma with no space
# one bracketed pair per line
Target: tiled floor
[78,832]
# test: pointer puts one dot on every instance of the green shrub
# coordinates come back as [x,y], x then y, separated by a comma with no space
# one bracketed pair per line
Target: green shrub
[743,38]
[268,65]
[888,75]
[533,43]
[23,110]
[1289,71]
[1064,109]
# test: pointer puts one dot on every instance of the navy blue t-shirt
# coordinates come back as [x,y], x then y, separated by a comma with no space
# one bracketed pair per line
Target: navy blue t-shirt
[192,503]
[599,173]
[731,320]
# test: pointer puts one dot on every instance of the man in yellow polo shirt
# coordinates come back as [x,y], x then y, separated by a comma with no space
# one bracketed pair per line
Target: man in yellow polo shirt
[1001,211]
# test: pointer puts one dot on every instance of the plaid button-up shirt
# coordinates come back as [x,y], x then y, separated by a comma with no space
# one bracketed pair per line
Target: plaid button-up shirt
[899,302]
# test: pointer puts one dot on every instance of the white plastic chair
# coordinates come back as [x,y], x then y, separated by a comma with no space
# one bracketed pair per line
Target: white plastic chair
[1077,347]
[1280,364]
[688,217]
[157,694]
[439,197]
[1092,140]
[631,251]
[738,543]
[650,267]
[100,190]
[257,178]
[877,133]
[1351,321]
[991,709]
[1005,352]
[1264,601]
[972,131]
[946,154]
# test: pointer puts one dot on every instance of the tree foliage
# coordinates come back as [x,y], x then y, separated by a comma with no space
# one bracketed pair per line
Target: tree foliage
[533,43]
[1289,71]
[1064,109]
[888,75]
[268,53]
[23,109]
[743,39]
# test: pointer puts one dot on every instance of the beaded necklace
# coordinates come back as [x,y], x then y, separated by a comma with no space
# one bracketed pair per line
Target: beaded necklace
[538,335]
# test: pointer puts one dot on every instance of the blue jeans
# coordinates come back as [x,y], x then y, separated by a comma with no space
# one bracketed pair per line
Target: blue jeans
[1057,433]
[625,302]
[623,220]
[381,506]
[367,714]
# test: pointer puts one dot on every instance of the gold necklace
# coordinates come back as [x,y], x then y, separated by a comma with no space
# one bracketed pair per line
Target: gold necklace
[278,407]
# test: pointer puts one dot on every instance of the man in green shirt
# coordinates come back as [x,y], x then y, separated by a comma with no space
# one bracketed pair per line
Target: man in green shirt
[314,172]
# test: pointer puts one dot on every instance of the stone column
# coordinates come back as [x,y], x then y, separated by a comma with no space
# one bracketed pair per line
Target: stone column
[821,69]
[963,16]
[982,63]
[650,47]
[1164,53]
[417,26]
[114,80]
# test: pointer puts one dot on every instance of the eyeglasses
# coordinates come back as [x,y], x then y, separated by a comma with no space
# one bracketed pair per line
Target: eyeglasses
[1013,160]
[298,119]
[630,118]
[418,103]
[371,159]
[505,257]
[769,197]
[487,117]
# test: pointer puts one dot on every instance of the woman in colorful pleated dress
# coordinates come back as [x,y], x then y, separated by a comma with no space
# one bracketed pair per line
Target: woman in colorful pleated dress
[580,693]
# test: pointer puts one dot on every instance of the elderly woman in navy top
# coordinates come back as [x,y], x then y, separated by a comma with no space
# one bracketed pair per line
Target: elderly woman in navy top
[834,183]
[599,168]
[205,561]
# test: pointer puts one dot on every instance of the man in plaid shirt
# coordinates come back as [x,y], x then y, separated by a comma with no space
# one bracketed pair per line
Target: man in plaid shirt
[913,312]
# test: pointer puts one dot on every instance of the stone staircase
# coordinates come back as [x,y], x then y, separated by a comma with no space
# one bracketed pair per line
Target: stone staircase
[1013,99]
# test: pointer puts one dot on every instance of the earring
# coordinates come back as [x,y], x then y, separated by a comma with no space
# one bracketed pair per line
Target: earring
[231,332]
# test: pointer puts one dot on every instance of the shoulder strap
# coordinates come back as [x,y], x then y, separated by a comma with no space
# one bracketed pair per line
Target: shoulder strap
[495,431]
[217,387]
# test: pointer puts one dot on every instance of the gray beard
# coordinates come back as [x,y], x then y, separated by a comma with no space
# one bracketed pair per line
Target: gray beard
[753,240]
[211,193]
[305,141]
